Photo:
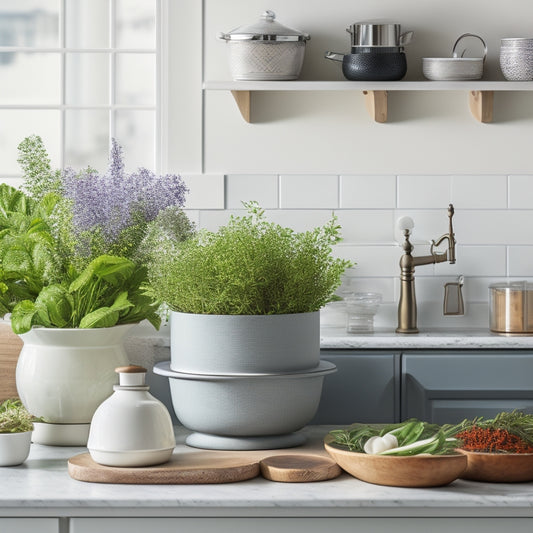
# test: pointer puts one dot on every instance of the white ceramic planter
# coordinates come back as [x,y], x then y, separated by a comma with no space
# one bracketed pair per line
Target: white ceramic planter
[14,448]
[63,375]
[243,344]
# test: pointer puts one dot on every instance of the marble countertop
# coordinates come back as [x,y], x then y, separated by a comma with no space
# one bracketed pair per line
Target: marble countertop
[435,338]
[43,487]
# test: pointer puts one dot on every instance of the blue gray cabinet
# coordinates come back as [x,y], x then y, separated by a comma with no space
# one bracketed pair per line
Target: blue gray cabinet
[449,386]
[365,388]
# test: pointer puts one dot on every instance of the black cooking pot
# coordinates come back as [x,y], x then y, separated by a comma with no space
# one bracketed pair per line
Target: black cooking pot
[371,66]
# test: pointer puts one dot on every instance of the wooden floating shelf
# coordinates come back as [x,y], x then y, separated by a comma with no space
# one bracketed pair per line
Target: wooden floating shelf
[480,93]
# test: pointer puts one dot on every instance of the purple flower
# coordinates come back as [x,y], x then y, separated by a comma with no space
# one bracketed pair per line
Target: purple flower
[115,201]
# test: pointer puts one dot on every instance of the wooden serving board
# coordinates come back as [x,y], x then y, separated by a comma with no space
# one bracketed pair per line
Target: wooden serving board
[182,469]
[299,468]
[10,346]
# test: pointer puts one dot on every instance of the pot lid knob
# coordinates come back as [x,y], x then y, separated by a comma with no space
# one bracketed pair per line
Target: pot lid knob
[268,15]
[131,376]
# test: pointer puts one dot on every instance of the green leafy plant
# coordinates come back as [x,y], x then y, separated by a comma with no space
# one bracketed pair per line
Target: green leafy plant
[248,267]
[14,418]
[412,437]
[71,243]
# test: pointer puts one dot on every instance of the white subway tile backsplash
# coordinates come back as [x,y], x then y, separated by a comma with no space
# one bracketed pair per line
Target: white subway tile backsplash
[367,192]
[371,261]
[366,226]
[476,261]
[494,226]
[206,191]
[520,260]
[472,192]
[309,191]
[263,188]
[423,192]
[521,192]
[353,282]
[299,219]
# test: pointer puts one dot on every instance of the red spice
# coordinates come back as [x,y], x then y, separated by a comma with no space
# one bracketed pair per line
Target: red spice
[479,439]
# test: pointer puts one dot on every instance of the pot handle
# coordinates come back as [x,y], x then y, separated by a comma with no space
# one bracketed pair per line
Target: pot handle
[223,36]
[454,52]
[405,38]
[334,56]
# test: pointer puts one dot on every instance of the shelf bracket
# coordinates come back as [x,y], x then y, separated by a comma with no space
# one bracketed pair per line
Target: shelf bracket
[243,100]
[376,105]
[481,104]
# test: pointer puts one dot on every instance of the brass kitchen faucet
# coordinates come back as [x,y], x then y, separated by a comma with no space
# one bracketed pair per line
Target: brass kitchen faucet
[407,304]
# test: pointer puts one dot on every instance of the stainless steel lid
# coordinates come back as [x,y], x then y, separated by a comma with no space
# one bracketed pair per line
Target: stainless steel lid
[512,286]
[266,29]
[372,34]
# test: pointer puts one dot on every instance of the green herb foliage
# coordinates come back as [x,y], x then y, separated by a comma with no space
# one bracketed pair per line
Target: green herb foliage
[432,438]
[248,267]
[14,418]
[107,292]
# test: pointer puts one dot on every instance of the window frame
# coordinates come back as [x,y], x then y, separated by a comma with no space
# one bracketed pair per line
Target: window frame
[160,106]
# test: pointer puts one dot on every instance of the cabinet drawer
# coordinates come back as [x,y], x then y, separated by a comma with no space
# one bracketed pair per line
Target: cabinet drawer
[29,525]
[364,388]
[449,387]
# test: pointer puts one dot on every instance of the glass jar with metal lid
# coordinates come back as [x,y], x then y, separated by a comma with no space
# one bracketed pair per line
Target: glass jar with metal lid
[511,307]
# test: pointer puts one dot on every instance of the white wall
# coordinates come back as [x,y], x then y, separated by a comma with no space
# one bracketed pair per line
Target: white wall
[309,154]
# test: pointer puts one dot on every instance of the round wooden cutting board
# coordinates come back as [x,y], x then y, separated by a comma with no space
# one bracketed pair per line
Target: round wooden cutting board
[299,468]
[189,468]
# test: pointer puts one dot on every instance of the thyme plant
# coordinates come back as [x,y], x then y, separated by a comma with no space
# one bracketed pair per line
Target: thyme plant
[249,267]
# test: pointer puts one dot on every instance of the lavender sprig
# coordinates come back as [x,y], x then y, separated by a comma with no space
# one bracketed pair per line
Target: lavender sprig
[111,211]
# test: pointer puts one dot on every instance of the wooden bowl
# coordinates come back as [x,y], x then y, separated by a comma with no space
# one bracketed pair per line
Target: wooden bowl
[407,471]
[498,467]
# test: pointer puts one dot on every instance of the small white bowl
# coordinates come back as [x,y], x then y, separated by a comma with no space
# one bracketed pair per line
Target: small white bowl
[452,68]
[14,448]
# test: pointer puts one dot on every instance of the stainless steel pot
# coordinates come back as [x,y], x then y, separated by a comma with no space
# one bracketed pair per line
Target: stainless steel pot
[265,50]
[371,34]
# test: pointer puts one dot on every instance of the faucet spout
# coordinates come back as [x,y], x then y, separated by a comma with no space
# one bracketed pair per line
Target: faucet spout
[407,308]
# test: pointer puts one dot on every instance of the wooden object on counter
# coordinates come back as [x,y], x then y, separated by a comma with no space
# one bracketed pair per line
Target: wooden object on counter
[299,468]
[498,467]
[188,468]
[10,346]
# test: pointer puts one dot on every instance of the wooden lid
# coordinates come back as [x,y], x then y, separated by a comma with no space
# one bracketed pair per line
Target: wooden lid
[130,369]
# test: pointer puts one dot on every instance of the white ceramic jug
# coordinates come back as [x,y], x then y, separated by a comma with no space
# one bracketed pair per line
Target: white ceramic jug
[131,427]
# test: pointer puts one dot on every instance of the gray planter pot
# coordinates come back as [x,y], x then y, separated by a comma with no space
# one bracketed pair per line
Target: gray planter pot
[239,412]
[244,344]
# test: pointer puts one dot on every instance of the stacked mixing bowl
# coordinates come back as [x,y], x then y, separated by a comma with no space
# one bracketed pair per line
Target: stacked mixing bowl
[516,59]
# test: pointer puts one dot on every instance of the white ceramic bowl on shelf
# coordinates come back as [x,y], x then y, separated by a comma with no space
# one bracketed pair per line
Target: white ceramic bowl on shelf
[516,59]
[452,68]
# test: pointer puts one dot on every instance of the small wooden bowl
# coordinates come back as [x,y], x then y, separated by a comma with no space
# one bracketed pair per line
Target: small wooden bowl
[407,471]
[498,467]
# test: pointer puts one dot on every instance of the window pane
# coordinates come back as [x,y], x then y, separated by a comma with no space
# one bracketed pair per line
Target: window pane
[87,23]
[18,72]
[16,124]
[87,79]
[135,132]
[29,23]
[135,23]
[135,79]
[87,139]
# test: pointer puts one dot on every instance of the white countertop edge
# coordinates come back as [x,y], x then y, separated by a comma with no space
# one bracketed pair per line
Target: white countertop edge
[42,487]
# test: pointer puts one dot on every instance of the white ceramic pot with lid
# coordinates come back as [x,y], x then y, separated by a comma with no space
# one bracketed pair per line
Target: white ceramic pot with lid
[265,50]
[131,428]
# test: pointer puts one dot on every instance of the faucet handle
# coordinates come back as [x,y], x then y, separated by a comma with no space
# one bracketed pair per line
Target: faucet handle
[405,223]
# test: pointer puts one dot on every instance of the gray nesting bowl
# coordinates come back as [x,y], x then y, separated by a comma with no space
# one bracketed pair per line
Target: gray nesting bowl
[245,411]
